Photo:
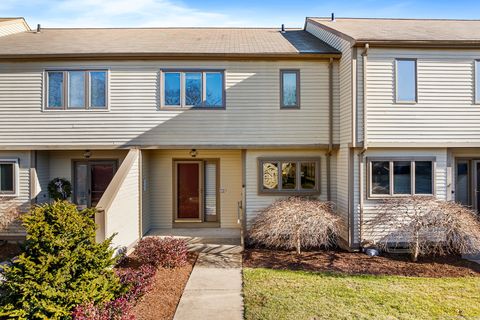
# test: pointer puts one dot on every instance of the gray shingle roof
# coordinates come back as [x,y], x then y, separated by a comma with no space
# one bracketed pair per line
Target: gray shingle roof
[413,30]
[164,41]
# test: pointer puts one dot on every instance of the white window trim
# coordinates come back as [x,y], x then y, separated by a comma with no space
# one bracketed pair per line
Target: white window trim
[16,178]
[476,82]
[397,101]
[182,73]
[289,192]
[412,160]
[66,97]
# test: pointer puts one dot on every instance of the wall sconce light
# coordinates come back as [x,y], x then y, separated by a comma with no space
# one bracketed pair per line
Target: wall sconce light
[193,153]
[87,154]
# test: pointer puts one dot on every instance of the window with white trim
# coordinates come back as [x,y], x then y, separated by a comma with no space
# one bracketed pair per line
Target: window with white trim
[289,176]
[204,89]
[76,89]
[8,173]
[401,177]
[406,80]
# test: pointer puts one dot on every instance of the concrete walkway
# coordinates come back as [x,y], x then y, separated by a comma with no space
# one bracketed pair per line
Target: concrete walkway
[214,290]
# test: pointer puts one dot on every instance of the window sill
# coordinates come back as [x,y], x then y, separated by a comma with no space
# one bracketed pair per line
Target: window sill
[168,108]
[76,110]
[289,193]
[397,196]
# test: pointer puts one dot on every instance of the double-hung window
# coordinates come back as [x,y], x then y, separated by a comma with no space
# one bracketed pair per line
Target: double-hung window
[402,177]
[289,176]
[289,89]
[76,89]
[202,89]
[406,80]
[8,173]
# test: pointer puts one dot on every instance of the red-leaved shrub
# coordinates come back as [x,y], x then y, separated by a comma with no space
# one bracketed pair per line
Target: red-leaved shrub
[139,281]
[167,252]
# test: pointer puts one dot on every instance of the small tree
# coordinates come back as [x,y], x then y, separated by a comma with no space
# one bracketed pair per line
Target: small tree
[295,223]
[426,226]
[60,267]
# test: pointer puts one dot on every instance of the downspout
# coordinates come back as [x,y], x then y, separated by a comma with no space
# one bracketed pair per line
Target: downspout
[330,128]
[361,155]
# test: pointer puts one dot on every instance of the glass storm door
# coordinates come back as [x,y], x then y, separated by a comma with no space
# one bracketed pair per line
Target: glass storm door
[91,179]
[188,190]
[477,185]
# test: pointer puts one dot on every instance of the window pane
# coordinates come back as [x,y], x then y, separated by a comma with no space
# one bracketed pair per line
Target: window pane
[76,89]
[380,177]
[477,81]
[289,175]
[423,177]
[307,174]
[402,180]
[214,88]
[172,89]
[55,89]
[193,89]
[406,82]
[462,189]
[270,175]
[6,177]
[289,94]
[98,89]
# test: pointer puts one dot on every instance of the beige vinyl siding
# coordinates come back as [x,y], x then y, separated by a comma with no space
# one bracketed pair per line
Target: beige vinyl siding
[342,182]
[43,175]
[21,201]
[445,114]
[160,184]
[256,202]
[12,26]
[123,216]
[252,115]
[145,187]
[345,79]
[370,205]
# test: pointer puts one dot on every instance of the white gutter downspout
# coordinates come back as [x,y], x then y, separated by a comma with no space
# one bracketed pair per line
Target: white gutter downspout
[361,155]
[330,128]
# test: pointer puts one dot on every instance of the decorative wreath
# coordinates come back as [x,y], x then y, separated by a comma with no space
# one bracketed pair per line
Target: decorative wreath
[270,176]
[59,189]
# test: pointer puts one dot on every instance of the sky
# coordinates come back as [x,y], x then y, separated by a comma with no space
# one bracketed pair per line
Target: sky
[223,13]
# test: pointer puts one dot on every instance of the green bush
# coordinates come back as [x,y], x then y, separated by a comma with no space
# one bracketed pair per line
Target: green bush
[61,265]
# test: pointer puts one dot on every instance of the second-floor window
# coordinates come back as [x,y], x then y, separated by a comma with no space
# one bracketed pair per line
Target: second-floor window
[76,89]
[289,89]
[406,81]
[193,89]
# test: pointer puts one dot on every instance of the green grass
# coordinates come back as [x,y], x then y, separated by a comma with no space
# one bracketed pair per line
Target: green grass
[278,294]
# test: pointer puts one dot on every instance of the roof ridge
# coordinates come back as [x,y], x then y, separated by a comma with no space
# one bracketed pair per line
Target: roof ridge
[169,28]
[407,19]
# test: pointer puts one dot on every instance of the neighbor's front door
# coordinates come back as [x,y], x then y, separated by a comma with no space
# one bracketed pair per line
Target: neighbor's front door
[91,179]
[188,190]
[477,185]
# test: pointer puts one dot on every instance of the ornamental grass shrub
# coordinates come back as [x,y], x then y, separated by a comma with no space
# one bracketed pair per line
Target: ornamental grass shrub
[295,223]
[162,252]
[61,265]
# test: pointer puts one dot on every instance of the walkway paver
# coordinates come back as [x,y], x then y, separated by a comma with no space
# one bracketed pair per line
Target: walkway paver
[214,289]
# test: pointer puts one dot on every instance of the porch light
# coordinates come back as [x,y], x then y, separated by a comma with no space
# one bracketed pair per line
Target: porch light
[87,154]
[193,153]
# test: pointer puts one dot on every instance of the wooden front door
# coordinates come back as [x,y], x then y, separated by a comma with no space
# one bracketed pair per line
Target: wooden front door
[91,179]
[188,190]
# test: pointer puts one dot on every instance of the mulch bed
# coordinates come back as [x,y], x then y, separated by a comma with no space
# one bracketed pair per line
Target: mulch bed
[9,250]
[161,302]
[359,263]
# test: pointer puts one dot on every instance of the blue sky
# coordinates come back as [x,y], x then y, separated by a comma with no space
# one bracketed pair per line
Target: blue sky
[245,13]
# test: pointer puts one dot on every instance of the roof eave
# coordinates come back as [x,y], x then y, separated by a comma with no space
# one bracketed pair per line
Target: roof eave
[169,56]
[420,43]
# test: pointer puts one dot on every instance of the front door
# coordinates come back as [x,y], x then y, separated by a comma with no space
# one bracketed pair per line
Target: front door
[477,185]
[188,190]
[91,179]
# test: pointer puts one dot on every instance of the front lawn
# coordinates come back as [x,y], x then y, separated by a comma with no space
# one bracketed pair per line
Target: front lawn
[286,294]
